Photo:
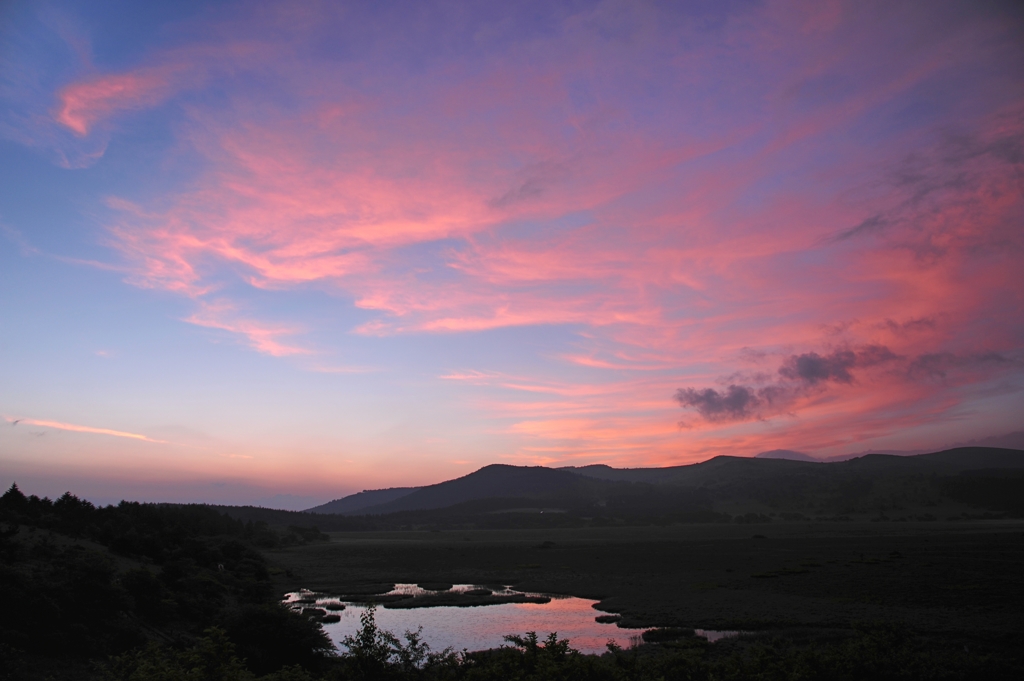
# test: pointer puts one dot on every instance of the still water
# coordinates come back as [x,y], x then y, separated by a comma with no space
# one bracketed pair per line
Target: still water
[483,627]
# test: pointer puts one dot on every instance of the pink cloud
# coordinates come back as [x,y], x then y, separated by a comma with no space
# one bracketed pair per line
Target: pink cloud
[261,337]
[83,103]
[543,186]
[82,429]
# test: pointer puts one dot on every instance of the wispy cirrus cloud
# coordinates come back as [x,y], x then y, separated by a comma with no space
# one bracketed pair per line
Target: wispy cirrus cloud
[82,103]
[80,429]
[669,192]
[261,336]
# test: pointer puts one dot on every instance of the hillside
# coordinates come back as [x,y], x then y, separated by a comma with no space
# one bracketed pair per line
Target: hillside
[355,503]
[490,482]
[731,469]
[957,483]
[786,454]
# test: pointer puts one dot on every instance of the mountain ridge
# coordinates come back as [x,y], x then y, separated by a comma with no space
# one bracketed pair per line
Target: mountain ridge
[730,481]
[494,480]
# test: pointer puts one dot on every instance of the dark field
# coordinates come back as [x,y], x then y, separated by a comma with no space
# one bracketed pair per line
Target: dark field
[875,587]
[143,592]
[959,579]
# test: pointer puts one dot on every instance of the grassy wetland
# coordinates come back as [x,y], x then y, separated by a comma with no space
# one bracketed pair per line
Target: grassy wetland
[881,568]
[939,577]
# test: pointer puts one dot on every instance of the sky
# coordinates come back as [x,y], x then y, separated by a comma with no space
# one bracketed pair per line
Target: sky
[279,252]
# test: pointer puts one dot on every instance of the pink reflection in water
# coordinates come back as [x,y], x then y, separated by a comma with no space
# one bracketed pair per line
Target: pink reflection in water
[484,627]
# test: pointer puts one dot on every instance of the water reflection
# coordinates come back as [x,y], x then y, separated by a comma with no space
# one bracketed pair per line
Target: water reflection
[417,590]
[483,627]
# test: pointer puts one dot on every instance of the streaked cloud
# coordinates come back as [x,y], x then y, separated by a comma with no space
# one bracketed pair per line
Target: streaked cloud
[83,103]
[80,429]
[263,337]
[627,232]
[658,243]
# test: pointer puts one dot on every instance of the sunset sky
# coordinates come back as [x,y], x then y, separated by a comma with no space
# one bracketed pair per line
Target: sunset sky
[279,252]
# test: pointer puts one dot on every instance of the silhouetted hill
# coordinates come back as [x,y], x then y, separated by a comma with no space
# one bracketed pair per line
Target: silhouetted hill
[961,483]
[871,485]
[1013,440]
[725,469]
[494,481]
[786,454]
[602,472]
[888,452]
[361,500]
[694,475]
[973,458]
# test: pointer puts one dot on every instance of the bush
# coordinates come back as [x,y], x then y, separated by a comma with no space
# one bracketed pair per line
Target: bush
[271,637]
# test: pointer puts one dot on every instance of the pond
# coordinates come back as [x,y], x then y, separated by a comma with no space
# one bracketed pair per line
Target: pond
[477,627]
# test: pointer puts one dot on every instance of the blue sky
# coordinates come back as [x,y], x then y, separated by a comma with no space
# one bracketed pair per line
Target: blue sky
[279,252]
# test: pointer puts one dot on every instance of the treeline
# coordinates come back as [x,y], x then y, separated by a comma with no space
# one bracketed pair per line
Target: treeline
[149,530]
[80,583]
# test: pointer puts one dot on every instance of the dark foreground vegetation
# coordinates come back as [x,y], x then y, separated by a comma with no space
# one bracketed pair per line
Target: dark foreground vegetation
[139,592]
[79,584]
[870,653]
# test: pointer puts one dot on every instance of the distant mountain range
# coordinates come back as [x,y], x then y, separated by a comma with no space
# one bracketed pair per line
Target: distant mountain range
[788,455]
[1013,440]
[781,483]
[1009,441]
[791,455]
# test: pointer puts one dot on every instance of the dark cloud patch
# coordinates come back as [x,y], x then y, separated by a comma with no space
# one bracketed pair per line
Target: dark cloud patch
[800,374]
[812,368]
[959,147]
[776,395]
[839,328]
[961,160]
[735,403]
[534,181]
[941,197]
[874,224]
[873,355]
[758,395]
[738,377]
[939,364]
[753,356]
[530,189]
[909,326]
